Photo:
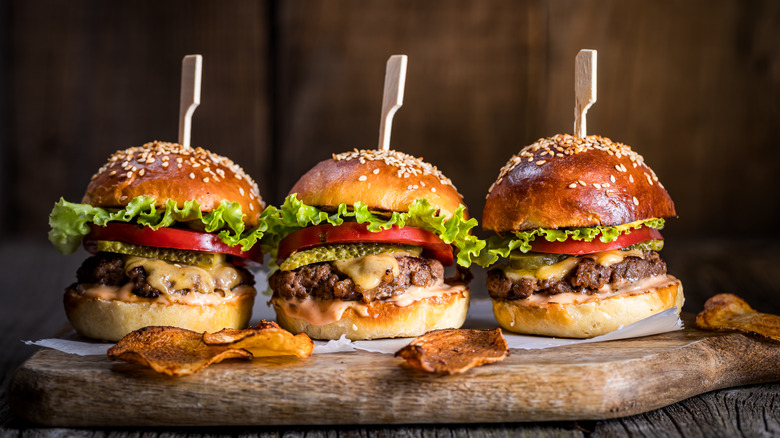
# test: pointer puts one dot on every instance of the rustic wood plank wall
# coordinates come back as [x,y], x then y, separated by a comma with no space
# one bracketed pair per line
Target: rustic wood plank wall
[694,86]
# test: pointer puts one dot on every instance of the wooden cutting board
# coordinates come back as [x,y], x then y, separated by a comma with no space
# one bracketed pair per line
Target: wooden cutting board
[587,381]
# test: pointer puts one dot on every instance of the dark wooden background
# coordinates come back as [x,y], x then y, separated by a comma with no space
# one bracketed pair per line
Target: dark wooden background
[692,85]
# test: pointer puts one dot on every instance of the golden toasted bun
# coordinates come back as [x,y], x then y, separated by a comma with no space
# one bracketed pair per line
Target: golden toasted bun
[385,319]
[565,181]
[383,180]
[588,319]
[111,320]
[169,170]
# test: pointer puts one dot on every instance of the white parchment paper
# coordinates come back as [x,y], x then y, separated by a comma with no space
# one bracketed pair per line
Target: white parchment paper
[480,316]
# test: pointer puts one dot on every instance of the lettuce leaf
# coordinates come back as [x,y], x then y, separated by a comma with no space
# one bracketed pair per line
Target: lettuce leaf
[498,246]
[294,215]
[70,222]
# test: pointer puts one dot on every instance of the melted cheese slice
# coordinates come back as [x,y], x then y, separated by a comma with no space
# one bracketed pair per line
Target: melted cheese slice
[559,270]
[368,271]
[214,285]
[171,277]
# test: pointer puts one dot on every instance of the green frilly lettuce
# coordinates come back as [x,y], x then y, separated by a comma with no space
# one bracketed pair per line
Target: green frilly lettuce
[70,222]
[294,215]
[498,246]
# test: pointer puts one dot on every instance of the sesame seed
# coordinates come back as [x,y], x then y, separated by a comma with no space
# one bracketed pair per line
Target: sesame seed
[376,171]
[433,189]
[192,175]
[612,178]
[129,174]
[582,183]
[636,201]
[631,178]
[165,164]
[252,207]
[141,172]
[597,185]
[572,185]
[362,178]
[206,179]
[113,172]
[540,162]
[241,190]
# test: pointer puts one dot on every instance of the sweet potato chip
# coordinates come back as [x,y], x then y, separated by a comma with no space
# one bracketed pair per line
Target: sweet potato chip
[453,351]
[179,352]
[171,350]
[264,339]
[729,312]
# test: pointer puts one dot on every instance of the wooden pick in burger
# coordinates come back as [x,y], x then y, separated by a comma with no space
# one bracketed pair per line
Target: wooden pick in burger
[584,89]
[191,67]
[393,96]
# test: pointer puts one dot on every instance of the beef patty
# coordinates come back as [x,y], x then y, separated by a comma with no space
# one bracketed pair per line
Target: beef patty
[323,281]
[586,277]
[108,269]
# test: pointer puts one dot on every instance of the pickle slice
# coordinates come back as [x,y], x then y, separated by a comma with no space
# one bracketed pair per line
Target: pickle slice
[339,251]
[182,256]
[647,245]
[534,260]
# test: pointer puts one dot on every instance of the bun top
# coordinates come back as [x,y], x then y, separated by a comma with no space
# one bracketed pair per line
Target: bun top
[169,170]
[566,181]
[383,180]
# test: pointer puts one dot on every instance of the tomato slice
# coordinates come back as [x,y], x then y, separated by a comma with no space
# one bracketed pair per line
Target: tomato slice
[578,247]
[175,238]
[353,232]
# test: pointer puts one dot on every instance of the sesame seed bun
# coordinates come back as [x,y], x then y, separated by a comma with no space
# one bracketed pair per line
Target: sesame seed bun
[565,181]
[168,170]
[383,180]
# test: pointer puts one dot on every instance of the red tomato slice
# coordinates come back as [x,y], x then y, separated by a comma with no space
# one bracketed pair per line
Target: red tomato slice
[175,238]
[578,247]
[353,232]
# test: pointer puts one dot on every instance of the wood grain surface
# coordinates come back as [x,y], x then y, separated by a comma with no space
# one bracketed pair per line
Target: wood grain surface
[585,382]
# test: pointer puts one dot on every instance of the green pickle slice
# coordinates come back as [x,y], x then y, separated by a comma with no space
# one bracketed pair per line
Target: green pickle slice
[647,245]
[329,253]
[534,260]
[182,256]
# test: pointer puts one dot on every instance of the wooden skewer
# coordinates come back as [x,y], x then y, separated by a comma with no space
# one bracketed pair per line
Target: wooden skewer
[584,89]
[393,98]
[191,67]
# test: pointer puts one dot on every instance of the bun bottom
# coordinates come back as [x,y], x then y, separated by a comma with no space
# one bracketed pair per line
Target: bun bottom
[111,320]
[591,318]
[384,319]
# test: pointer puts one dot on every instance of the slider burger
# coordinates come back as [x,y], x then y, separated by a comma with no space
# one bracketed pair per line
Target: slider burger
[170,229]
[361,243]
[576,253]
